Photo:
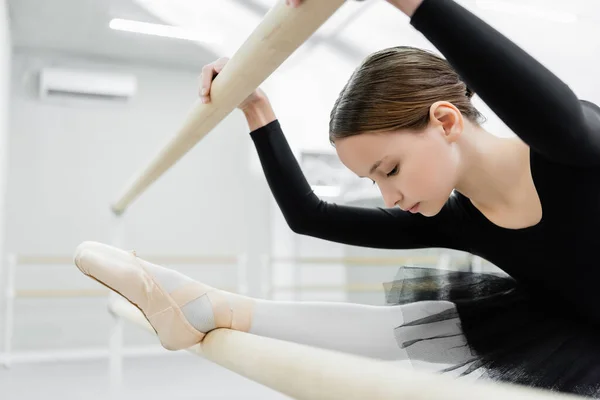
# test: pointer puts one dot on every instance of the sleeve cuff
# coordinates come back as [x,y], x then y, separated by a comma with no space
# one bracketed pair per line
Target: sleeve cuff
[264,131]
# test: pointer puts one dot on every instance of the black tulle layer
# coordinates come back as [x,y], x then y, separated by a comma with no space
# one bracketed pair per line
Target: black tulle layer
[509,332]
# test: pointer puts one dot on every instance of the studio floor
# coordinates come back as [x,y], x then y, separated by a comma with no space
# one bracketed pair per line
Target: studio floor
[172,377]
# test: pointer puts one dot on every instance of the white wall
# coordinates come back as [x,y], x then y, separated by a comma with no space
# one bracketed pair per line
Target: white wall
[73,158]
[5,69]
[5,66]
[69,160]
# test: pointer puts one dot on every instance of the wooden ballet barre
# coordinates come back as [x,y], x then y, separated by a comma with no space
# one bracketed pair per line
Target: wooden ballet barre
[353,288]
[282,30]
[59,293]
[357,261]
[43,259]
[304,372]
[157,259]
[75,293]
[207,260]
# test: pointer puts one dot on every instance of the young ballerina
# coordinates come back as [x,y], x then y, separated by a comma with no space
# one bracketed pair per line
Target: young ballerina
[405,120]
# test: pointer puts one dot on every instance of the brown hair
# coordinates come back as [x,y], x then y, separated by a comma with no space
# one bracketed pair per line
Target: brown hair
[393,89]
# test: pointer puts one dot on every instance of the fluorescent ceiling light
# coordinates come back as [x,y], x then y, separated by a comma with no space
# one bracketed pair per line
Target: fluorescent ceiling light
[527,11]
[160,30]
[327,191]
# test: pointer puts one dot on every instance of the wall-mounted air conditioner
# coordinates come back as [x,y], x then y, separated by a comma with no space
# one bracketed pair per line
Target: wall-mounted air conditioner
[63,82]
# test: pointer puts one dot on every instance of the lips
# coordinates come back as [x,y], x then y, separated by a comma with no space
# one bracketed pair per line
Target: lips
[414,209]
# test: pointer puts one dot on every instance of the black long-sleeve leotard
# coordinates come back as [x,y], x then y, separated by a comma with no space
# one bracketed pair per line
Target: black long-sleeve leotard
[559,253]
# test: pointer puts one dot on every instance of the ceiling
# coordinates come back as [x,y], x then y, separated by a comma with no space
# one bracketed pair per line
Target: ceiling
[80,27]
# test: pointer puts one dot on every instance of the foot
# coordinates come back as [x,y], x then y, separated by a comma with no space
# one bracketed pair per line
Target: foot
[181,311]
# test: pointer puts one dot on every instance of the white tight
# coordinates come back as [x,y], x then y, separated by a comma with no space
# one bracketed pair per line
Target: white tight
[351,328]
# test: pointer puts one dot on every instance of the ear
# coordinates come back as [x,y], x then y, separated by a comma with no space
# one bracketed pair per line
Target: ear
[448,118]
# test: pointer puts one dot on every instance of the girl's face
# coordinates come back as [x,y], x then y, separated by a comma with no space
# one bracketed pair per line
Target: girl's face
[416,171]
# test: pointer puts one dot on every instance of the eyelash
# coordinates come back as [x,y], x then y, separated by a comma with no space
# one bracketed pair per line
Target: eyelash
[393,172]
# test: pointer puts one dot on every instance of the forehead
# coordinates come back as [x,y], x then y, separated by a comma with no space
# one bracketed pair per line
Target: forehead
[358,153]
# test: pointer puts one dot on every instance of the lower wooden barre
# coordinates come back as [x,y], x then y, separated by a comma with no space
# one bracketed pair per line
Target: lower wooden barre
[74,293]
[305,372]
[156,259]
[200,260]
[60,293]
[358,261]
[354,288]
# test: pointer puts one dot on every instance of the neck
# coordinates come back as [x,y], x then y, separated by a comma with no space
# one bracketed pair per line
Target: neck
[490,167]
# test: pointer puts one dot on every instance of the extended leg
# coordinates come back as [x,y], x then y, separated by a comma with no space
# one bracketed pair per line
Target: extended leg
[182,310]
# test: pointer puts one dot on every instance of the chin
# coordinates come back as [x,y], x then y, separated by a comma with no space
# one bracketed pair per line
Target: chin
[428,211]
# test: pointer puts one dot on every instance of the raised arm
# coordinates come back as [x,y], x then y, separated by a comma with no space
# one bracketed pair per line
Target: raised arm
[306,214]
[541,109]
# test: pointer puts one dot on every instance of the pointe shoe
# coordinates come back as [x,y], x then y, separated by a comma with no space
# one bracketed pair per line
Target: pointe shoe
[128,275]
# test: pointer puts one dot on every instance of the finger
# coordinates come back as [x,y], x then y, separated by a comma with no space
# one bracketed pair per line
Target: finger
[200,83]
[220,64]
[207,74]
[203,98]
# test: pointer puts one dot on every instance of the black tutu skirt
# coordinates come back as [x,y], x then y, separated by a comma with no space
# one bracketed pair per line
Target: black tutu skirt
[487,326]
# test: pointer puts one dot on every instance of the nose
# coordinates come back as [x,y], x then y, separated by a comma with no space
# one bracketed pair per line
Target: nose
[390,197]
[389,202]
